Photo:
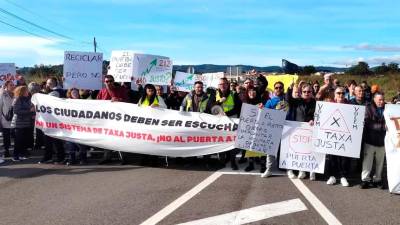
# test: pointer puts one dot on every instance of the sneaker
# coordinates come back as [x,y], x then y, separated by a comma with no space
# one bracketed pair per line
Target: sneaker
[290,174]
[266,174]
[312,176]
[23,158]
[15,159]
[331,180]
[2,160]
[301,175]
[344,182]
[249,168]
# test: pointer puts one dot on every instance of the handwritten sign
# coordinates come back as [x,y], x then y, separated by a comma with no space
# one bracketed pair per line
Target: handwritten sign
[338,129]
[297,149]
[185,81]
[151,69]
[392,146]
[121,65]
[260,129]
[83,70]
[7,72]
[212,79]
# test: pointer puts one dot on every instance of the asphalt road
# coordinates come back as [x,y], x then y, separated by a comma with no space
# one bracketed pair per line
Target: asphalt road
[32,193]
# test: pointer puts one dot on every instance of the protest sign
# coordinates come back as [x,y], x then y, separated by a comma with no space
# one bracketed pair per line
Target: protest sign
[126,127]
[297,149]
[286,79]
[338,129]
[151,69]
[185,81]
[7,72]
[83,70]
[392,146]
[260,129]
[212,79]
[121,66]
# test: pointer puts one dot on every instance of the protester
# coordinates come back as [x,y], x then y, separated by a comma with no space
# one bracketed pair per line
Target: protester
[277,102]
[351,85]
[197,100]
[302,110]
[6,100]
[231,105]
[173,101]
[358,99]
[338,166]
[326,92]
[261,85]
[149,98]
[71,147]
[160,92]
[315,87]
[367,91]
[233,86]
[53,144]
[22,121]
[374,142]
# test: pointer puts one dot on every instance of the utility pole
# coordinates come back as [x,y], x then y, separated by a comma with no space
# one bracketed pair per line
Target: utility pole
[94,44]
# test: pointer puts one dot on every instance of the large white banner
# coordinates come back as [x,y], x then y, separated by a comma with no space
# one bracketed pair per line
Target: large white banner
[83,70]
[121,65]
[392,146]
[338,129]
[7,72]
[212,79]
[260,129]
[185,81]
[129,128]
[151,69]
[297,150]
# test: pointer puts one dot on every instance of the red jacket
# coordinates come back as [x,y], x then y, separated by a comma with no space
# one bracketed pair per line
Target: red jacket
[118,93]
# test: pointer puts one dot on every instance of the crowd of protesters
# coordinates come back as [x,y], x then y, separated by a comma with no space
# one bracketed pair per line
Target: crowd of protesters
[297,100]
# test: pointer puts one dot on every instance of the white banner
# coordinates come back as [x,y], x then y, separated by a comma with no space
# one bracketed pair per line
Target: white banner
[83,70]
[338,129]
[260,129]
[212,79]
[7,72]
[129,128]
[121,66]
[151,69]
[392,146]
[297,150]
[185,81]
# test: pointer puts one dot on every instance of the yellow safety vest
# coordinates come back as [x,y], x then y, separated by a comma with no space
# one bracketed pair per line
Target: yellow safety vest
[229,103]
[189,104]
[146,102]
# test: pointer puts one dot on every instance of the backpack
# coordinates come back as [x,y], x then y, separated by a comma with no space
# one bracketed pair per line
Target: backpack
[9,115]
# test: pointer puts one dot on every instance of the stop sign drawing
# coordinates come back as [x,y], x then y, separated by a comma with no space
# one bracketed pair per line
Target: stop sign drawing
[300,141]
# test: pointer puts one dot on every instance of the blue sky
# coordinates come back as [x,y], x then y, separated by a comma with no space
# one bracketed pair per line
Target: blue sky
[260,33]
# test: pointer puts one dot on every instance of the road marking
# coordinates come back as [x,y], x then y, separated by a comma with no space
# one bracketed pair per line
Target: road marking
[156,218]
[315,202]
[253,214]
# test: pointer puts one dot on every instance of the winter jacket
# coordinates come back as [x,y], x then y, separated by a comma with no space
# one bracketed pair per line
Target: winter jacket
[375,126]
[22,113]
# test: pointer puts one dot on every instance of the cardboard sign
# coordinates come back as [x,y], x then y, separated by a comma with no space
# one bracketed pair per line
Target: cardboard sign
[212,79]
[83,70]
[260,129]
[151,69]
[121,66]
[392,146]
[7,72]
[338,129]
[297,149]
[185,81]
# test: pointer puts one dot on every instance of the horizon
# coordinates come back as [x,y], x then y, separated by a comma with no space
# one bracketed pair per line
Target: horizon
[335,33]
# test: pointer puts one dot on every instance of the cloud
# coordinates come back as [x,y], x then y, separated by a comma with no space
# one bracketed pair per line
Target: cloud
[27,50]
[376,60]
[374,48]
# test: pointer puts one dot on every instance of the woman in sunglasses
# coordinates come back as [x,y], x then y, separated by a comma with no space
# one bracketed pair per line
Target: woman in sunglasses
[150,98]
[302,110]
[338,166]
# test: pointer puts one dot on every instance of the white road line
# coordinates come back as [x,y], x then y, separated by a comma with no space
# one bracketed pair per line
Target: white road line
[156,218]
[316,203]
[253,214]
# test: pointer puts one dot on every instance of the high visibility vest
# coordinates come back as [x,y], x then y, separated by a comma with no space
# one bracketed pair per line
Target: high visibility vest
[189,104]
[229,103]
[146,102]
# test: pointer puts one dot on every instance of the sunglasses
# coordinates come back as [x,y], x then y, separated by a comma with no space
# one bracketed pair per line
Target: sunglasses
[108,81]
[278,87]
[340,93]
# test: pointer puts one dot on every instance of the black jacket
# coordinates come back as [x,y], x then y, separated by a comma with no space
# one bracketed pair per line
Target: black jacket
[375,126]
[300,110]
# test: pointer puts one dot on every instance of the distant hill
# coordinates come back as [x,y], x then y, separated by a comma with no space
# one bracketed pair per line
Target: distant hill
[211,68]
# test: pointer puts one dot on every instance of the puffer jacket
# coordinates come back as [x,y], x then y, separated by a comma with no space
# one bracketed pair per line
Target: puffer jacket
[22,113]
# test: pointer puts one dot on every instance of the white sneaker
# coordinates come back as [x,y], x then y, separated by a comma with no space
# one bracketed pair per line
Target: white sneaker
[312,176]
[266,174]
[301,175]
[2,160]
[331,180]
[344,182]
[290,174]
